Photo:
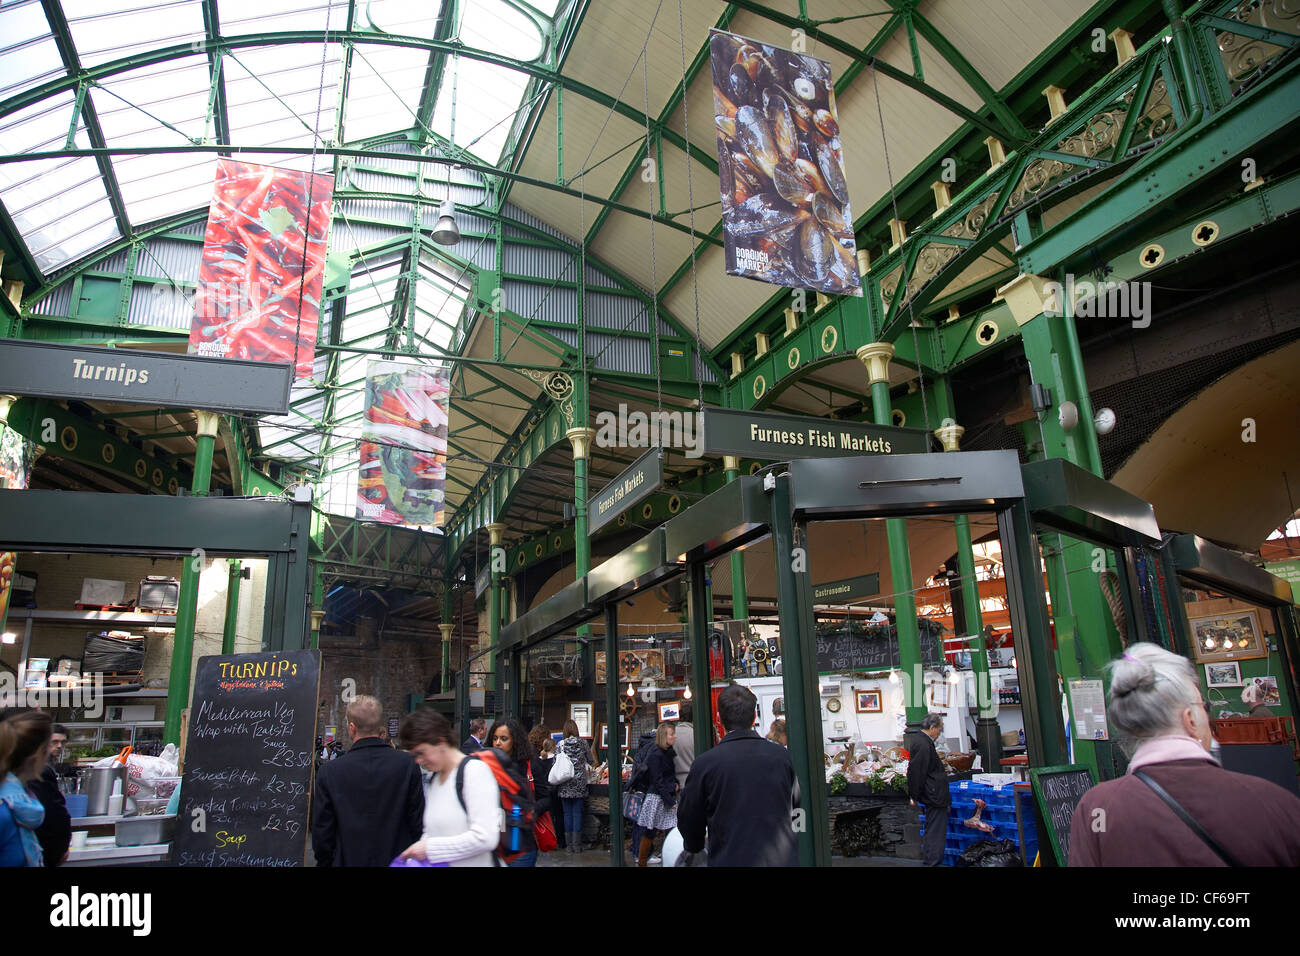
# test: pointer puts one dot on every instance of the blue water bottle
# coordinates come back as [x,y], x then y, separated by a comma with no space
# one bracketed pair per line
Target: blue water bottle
[515,814]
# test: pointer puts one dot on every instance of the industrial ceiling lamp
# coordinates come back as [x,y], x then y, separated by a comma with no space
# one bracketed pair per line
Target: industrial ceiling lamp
[446,232]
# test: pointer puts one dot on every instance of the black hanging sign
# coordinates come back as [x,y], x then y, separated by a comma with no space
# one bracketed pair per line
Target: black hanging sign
[245,796]
[631,486]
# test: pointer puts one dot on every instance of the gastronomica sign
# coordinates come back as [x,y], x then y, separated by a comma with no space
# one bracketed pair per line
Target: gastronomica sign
[766,435]
[631,486]
[847,589]
[143,378]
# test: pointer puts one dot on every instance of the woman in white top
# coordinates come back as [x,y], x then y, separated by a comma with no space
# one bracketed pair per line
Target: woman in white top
[459,829]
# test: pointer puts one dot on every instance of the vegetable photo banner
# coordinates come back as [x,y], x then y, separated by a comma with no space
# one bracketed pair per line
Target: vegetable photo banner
[404,445]
[263,265]
[785,201]
[13,474]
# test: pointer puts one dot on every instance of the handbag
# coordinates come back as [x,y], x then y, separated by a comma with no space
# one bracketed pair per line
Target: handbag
[561,770]
[543,826]
[1187,818]
[632,801]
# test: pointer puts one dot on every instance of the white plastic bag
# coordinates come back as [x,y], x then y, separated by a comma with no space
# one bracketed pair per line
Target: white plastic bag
[562,770]
[143,772]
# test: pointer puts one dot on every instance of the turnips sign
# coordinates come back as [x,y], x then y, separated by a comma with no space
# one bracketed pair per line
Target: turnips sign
[143,378]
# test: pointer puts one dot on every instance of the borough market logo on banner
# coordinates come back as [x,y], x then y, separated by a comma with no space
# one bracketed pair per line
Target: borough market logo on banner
[404,445]
[263,265]
[785,201]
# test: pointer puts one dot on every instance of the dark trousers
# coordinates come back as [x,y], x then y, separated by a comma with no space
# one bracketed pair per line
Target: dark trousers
[936,833]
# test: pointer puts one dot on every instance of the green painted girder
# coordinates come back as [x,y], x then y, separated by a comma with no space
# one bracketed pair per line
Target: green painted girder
[840,46]
[84,441]
[219,110]
[700,60]
[369,548]
[1268,110]
[318,37]
[448,16]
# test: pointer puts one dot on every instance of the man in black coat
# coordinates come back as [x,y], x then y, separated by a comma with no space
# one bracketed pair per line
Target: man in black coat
[743,792]
[369,803]
[927,783]
[477,731]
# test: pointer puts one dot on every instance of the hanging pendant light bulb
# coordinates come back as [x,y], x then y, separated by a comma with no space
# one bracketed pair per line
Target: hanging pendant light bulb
[1209,643]
[687,694]
[630,691]
[893,676]
[446,232]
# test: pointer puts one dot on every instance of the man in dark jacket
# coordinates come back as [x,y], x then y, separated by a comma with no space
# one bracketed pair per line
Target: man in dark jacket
[927,783]
[742,792]
[369,803]
[477,731]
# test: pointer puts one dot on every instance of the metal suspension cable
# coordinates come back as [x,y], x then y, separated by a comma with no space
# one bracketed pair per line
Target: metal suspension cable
[690,201]
[657,357]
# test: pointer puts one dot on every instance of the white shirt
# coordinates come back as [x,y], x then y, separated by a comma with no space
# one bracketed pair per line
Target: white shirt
[463,836]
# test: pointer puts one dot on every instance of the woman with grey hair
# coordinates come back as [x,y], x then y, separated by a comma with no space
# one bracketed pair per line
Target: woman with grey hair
[1176,806]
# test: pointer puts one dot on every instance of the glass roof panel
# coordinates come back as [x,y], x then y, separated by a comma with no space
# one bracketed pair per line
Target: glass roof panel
[400,17]
[28,53]
[80,237]
[159,186]
[105,30]
[486,97]
[274,95]
[383,90]
[135,108]
[273,16]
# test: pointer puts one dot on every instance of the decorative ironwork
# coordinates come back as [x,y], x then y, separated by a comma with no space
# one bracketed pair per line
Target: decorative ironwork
[936,254]
[1242,55]
[558,385]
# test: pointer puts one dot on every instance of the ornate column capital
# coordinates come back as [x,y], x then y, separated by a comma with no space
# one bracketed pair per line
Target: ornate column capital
[950,436]
[495,530]
[208,422]
[581,439]
[875,356]
[1028,296]
[446,631]
[731,463]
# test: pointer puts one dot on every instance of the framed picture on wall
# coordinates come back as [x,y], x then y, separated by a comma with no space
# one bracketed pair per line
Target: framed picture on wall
[868,701]
[1230,636]
[939,695]
[1223,674]
[670,710]
[580,712]
[1269,695]
[627,737]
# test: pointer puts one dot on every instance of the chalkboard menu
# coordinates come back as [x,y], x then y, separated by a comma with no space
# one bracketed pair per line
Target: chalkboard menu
[248,761]
[857,651]
[1057,791]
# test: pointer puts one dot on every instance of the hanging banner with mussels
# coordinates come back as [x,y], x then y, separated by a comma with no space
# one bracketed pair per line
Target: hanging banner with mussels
[785,202]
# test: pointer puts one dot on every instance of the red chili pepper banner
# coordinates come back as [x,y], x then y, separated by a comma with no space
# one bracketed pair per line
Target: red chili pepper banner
[263,265]
[404,445]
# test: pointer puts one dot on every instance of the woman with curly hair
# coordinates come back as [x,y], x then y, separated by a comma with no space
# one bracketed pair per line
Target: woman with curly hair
[508,736]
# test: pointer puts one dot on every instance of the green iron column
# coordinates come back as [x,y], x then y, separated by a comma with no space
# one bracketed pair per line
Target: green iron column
[581,438]
[495,530]
[739,594]
[876,358]
[614,756]
[232,606]
[987,733]
[698,630]
[446,627]
[178,685]
[1086,636]
[317,606]
[799,676]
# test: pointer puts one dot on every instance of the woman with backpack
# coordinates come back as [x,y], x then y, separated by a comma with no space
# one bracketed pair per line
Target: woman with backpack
[461,824]
[508,736]
[573,792]
[659,809]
